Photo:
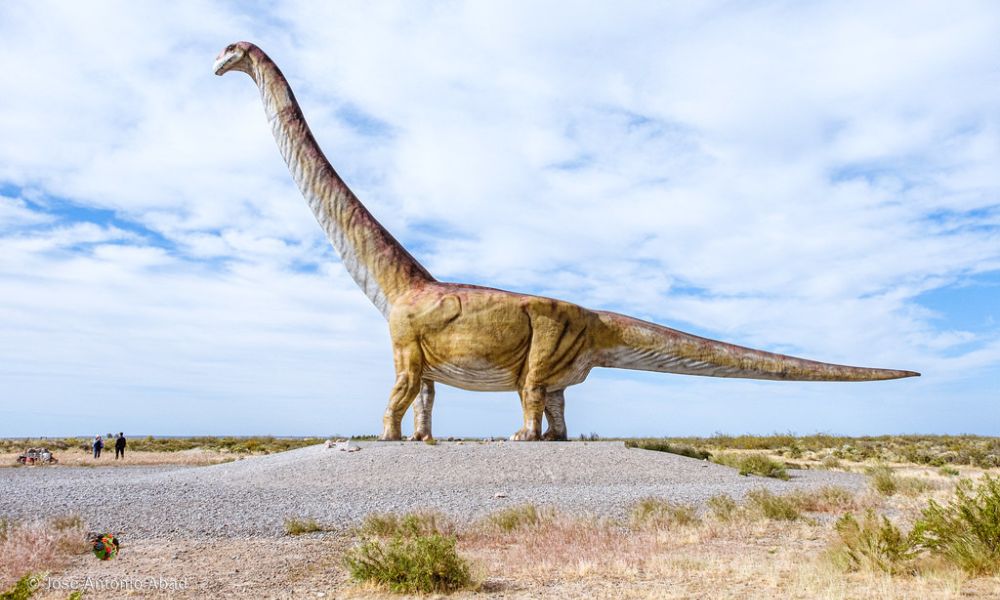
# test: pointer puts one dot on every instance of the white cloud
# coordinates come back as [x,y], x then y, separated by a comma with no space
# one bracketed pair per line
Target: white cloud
[783,175]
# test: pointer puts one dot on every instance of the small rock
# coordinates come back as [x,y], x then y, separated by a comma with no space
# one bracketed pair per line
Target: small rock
[500,495]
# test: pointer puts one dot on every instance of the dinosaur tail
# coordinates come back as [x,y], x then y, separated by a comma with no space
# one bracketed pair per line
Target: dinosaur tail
[635,344]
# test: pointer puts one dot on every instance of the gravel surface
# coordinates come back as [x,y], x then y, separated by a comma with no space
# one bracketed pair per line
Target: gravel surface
[465,480]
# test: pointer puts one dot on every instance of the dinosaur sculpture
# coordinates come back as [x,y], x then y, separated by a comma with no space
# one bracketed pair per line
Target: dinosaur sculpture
[479,338]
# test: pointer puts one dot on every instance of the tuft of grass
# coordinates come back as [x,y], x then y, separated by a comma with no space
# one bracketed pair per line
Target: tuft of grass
[415,524]
[431,442]
[662,446]
[888,483]
[830,462]
[421,564]
[517,517]
[753,464]
[873,543]
[948,471]
[827,499]
[883,479]
[723,507]
[966,531]
[656,513]
[296,526]
[65,522]
[38,546]
[772,506]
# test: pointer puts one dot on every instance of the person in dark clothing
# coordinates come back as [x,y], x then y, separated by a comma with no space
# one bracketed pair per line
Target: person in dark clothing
[98,446]
[120,446]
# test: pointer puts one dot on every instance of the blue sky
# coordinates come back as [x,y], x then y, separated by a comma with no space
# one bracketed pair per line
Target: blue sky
[815,178]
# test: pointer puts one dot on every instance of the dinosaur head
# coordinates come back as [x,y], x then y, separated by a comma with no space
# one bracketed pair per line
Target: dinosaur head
[234,57]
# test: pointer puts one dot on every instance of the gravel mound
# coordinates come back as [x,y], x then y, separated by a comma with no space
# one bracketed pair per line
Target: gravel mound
[465,480]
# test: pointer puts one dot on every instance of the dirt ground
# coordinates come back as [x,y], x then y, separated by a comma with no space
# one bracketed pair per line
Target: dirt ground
[81,458]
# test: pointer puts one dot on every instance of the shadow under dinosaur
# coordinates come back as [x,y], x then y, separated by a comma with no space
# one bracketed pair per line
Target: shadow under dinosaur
[485,339]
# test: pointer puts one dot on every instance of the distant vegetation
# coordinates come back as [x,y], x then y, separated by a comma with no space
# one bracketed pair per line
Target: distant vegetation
[228,444]
[829,450]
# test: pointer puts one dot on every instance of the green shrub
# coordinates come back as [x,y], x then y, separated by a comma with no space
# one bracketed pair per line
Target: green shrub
[421,564]
[948,471]
[24,588]
[409,525]
[772,506]
[518,517]
[296,526]
[661,446]
[753,464]
[873,543]
[657,513]
[966,531]
[723,507]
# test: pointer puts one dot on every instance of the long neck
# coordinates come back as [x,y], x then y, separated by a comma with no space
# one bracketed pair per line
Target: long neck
[378,263]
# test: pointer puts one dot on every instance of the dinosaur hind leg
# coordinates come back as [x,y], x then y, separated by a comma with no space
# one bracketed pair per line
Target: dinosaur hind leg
[533,405]
[422,408]
[555,405]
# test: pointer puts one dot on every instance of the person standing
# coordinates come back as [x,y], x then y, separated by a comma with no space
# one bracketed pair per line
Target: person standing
[120,446]
[98,446]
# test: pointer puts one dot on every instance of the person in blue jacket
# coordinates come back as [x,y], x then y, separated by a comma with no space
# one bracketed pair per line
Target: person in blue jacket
[98,446]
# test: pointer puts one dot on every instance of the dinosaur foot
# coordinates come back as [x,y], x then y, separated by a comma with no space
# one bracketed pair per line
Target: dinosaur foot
[390,435]
[525,435]
[421,436]
[554,436]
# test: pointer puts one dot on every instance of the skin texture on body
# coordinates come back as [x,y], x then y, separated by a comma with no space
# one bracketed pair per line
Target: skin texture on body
[485,339]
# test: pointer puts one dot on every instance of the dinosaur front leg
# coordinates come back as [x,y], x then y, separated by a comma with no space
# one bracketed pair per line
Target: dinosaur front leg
[422,408]
[533,404]
[409,364]
[555,404]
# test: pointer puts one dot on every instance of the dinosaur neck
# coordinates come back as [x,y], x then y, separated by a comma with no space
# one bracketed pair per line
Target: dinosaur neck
[378,263]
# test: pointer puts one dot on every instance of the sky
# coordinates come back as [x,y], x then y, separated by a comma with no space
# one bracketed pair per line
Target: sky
[814,178]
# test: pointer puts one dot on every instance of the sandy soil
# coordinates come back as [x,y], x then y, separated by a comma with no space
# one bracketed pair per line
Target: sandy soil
[80,458]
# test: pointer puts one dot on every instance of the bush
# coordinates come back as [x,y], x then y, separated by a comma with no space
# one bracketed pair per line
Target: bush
[753,464]
[873,543]
[294,526]
[518,517]
[661,446]
[409,525]
[421,564]
[24,588]
[966,531]
[656,513]
[771,506]
[883,480]
[723,507]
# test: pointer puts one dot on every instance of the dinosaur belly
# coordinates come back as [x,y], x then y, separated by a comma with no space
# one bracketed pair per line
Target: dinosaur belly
[480,378]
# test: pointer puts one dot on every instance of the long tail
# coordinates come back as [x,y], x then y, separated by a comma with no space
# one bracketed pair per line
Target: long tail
[635,344]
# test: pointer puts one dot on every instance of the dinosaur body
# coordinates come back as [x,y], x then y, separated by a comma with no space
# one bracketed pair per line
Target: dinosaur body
[485,339]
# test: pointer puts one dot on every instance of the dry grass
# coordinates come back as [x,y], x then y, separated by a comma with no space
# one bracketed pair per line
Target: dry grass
[79,458]
[38,547]
[568,557]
